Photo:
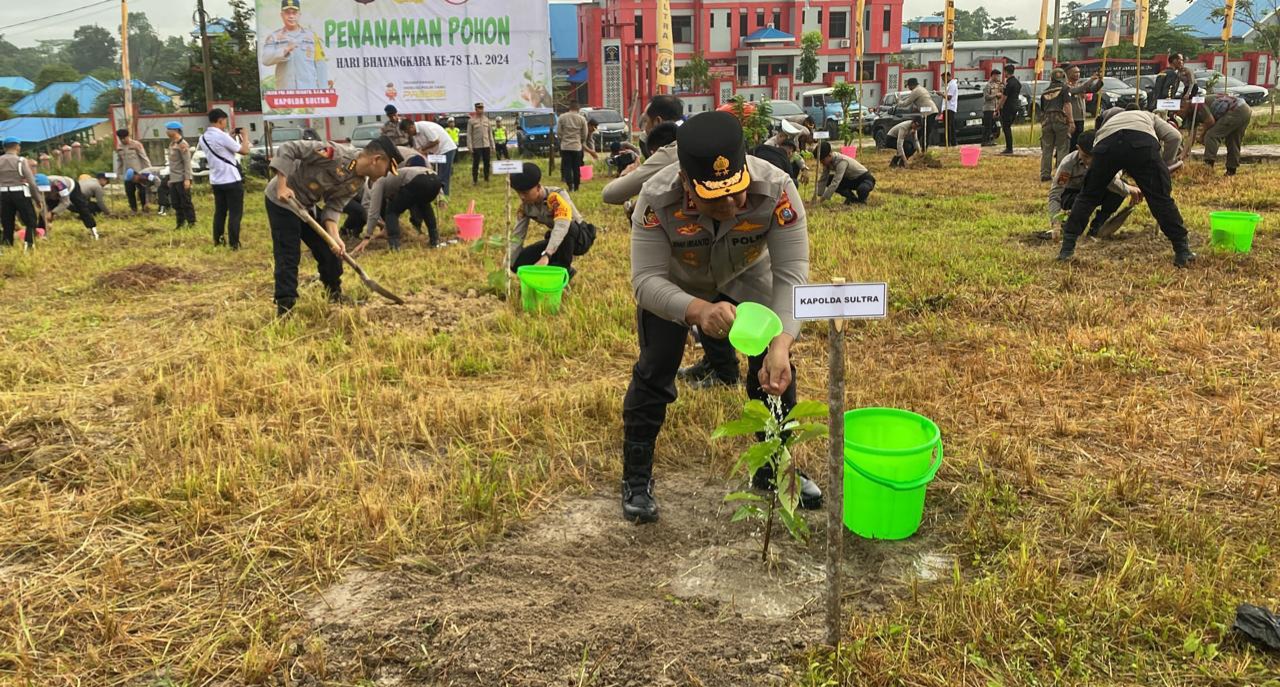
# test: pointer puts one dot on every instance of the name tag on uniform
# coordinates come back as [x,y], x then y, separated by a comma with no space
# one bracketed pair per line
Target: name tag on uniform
[437,159]
[508,166]
[1168,104]
[821,135]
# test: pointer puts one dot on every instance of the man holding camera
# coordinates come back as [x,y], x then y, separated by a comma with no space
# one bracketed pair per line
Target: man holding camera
[225,176]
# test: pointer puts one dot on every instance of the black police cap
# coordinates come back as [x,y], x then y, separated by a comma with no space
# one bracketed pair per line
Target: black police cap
[712,155]
[528,177]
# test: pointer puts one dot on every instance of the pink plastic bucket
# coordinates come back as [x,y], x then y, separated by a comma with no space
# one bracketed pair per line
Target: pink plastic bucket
[470,226]
[849,151]
[588,172]
[969,155]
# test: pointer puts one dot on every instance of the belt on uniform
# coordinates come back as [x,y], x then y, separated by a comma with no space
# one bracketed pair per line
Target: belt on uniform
[14,189]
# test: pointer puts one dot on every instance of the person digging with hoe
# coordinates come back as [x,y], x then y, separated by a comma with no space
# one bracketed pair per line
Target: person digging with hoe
[1143,145]
[308,173]
[715,230]
[1069,181]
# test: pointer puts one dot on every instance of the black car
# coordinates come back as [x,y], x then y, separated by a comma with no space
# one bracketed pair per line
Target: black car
[968,121]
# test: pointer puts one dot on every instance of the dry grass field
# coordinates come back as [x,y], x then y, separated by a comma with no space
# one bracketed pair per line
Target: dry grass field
[193,492]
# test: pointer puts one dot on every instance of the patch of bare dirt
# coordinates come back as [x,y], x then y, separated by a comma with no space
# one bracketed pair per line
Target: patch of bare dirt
[145,275]
[579,596]
[432,311]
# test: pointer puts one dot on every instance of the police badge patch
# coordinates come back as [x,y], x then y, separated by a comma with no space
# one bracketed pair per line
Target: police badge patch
[689,229]
[650,219]
[784,213]
[690,258]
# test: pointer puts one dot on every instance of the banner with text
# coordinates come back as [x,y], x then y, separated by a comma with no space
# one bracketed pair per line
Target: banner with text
[339,57]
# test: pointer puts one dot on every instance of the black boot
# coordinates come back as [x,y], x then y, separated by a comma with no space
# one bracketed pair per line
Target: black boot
[1068,247]
[1182,255]
[810,494]
[638,504]
[701,375]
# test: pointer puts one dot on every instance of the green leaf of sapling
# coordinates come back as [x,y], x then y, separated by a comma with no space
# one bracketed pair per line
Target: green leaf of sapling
[808,409]
[738,428]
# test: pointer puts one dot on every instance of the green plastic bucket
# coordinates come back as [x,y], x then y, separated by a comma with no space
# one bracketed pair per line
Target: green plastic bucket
[754,327]
[541,287]
[1233,231]
[890,456]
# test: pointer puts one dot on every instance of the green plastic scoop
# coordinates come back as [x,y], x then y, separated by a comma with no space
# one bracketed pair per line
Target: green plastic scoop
[754,327]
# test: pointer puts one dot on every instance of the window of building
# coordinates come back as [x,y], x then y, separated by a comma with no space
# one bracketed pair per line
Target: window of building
[777,19]
[888,17]
[839,25]
[760,19]
[639,27]
[713,20]
[682,29]
[836,67]
[819,19]
[742,23]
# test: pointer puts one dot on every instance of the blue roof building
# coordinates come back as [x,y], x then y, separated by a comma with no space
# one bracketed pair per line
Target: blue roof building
[141,86]
[37,130]
[20,84]
[1105,5]
[85,91]
[1198,21]
[769,35]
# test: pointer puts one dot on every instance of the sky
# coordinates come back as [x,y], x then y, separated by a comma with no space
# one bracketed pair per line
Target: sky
[172,17]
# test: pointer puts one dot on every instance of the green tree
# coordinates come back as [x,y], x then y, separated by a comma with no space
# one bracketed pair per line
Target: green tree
[5,113]
[1073,22]
[8,96]
[52,73]
[810,43]
[1162,38]
[67,106]
[845,93]
[1261,17]
[696,75]
[234,56]
[144,100]
[91,47]
[1002,29]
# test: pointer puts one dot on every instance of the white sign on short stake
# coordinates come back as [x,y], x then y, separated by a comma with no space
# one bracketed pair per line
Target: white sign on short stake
[508,167]
[1198,100]
[928,110]
[841,301]
[110,175]
[821,135]
[1168,104]
[435,159]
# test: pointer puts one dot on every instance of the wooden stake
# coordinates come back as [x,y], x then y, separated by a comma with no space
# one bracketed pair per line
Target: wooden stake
[506,246]
[835,481]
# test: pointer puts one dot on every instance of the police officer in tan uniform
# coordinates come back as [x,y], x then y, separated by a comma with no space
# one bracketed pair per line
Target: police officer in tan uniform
[311,173]
[180,176]
[1057,126]
[63,196]
[19,194]
[718,229]
[132,157]
[568,233]
[844,175]
[480,142]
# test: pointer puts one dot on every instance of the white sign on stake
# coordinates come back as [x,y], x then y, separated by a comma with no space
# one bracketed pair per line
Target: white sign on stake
[821,135]
[1168,104]
[110,175]
[927,110]
[437,159]
[508,166]
[1198,100]
[841,301]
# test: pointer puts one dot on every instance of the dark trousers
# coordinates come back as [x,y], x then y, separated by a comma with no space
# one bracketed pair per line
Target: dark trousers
[15,204]
[83,209]
[500,150]
[163,195]
[479,157]
[908,147]
[563,257]
[353,223]
[653,379]
[949,133]
[288,233]
[571,168]
[136,193]
[228,208]
[445,170]
[1138,155]
[1006,123]
[990,126]
[183,209]
[1110,203]
[855,189]
[391,219]
[1075,137]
